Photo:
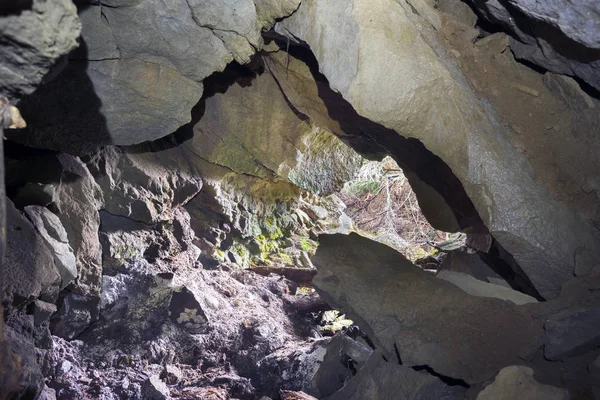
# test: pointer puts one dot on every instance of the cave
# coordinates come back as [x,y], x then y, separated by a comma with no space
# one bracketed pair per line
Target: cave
[300,200]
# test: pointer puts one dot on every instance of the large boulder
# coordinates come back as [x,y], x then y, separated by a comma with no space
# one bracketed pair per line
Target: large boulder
[423,96]
[50,228]
[33,40]
[29,271]
[424,320]
[137,75]
[517,382]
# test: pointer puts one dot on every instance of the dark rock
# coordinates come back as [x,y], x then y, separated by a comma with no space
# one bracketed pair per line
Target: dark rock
[343,357]
[571,333]
[33,40]
[379,379]
[186,311]
[79,199]
[74,315]
[27,379]
[594,367]
[42,311]
[390,299]
[567,90]
[52,231]
[472,264]
[557,35]
[143,187]
[29,269]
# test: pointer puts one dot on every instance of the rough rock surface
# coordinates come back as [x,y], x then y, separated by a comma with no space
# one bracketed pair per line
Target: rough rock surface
[28,269]
[33,40]
[571,333]
[78,200]
[137,75]
[415,314]
[380,379]
[136,187]
[517,381]
[441,111]
[557,35]
[50,228]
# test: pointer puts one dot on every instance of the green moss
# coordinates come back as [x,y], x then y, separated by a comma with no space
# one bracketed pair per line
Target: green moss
[286,259]
[307,245]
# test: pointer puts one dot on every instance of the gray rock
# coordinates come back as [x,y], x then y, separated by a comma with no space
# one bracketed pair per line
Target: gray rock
[517,382]
[561,36]
[567,90]
[47,394]
[25,378]
[389,298]
[52,231]
[125,101]
[42,311]
[342,356]
[475,287]
[142,187]
[571,333]
[75,313]
[99,41]
[32,42]
[78,201]
[155,389]
[417,108]
[29,269]
[379,379]
[585,262]
[185,310]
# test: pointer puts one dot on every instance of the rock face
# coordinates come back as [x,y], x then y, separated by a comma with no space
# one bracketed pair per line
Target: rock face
[379,379]
[137,75]
[50,228]
[517,381]
[391,299]
[29,269]
[33,40]
[136,187]
[557,35]
[571,333]
[441,111]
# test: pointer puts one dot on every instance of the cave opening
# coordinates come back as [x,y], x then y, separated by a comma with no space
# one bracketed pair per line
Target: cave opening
[299,200]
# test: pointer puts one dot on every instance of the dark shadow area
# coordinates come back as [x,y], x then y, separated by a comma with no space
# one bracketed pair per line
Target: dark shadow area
[64,113]
[10,7]
[504,264]
[446,379]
